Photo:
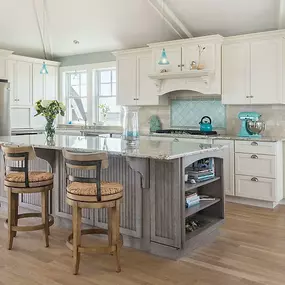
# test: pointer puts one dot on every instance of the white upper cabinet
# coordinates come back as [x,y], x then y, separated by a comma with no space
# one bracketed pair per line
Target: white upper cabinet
[20,78]
[45,85]
[146,90]
[236,74]
[173,55]
[3,73]
[126,80]
[134,87]
[266,71]
[253,69]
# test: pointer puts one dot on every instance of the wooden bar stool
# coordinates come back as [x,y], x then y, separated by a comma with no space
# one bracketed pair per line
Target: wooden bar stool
[89,193]
[19,180]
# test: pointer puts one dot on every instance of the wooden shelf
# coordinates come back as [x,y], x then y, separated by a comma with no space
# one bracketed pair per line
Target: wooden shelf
[189,186]
[199,207]
[211,225]
[181,74]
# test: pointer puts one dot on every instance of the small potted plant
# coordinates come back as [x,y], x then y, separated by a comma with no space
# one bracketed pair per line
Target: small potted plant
[104,111]
[49,109]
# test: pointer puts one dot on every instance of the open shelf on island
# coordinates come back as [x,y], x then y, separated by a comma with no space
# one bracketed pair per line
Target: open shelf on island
[199,207]
[210,225]
[189,186]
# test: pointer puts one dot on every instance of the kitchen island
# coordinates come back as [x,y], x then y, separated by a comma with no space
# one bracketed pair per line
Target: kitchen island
[153,213]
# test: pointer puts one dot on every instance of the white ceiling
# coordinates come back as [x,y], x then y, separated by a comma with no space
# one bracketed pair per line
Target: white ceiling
[101,25]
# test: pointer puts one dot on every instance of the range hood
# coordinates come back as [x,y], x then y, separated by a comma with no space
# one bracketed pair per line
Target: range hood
[194,80]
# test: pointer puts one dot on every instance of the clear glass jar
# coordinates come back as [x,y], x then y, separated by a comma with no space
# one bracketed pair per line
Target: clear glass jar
[131,123]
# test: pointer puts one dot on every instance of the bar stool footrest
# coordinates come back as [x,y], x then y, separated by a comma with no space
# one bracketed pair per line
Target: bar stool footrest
[30,228]
[94,249]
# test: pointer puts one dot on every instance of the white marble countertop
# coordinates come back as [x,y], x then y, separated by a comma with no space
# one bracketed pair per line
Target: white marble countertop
[146,148]
[221,137]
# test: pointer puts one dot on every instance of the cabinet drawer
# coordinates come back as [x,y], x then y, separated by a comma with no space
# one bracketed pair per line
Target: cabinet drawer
[255,165]
[256,147]
[255,187]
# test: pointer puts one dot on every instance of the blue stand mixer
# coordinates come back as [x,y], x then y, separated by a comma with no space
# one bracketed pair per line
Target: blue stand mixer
[251,125]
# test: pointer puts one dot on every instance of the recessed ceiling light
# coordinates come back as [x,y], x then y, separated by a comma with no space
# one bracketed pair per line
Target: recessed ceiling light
[76,42]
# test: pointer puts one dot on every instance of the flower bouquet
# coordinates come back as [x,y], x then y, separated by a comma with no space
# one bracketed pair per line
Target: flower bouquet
[49,109]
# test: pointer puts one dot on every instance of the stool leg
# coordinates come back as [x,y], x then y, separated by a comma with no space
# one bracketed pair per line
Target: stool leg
[110,227]
[45,216]
[116,233]
[76,225]
[11,220]
[16,212]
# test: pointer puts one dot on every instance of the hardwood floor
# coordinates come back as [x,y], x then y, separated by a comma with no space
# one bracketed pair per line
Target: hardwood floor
[249,250]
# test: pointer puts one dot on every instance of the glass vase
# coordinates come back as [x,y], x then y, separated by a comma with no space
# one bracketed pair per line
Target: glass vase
[131,124]
[50,130]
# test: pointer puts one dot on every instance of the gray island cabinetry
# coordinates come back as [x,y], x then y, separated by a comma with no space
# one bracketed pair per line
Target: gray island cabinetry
[153,212]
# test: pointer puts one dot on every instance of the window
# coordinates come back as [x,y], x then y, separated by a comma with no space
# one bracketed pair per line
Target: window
[105,93]
[76,96]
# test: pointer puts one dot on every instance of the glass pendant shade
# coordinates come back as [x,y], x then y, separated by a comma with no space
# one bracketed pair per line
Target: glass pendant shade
[44,69]
[163,59]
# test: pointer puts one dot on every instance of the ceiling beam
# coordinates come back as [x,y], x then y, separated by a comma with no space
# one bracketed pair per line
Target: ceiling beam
[40,10]
[170,18]
[281,20]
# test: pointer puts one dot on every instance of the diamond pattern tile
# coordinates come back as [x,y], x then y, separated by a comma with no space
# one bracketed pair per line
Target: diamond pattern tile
[188,113]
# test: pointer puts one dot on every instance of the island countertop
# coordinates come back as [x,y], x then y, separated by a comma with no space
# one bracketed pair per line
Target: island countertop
[145,147]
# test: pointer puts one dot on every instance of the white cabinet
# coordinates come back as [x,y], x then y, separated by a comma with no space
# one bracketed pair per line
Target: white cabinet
[266,71]
[228,166]
[20,78]
[236,73]
[44,86]
[253,187]
[3,72]
[134,87]
[126,80]
[20,117]
[252,71]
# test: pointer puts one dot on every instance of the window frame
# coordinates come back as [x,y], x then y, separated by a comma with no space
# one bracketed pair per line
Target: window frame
[92,85]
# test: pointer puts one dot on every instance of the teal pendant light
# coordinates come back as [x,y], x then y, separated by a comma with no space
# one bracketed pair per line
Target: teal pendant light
[163,59]
[44,69]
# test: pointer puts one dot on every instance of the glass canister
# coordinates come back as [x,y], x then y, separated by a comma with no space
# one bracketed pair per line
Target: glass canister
[131,124]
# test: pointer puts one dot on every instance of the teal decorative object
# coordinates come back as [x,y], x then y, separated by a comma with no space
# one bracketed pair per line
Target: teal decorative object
[44,69]
[163,59]
[154,124]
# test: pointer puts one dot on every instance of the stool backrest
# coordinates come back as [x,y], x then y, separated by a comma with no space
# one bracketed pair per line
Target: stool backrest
[85,162]
[21,155]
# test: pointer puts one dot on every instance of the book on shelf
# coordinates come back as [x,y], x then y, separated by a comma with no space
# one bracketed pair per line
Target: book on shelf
[206,198]
[189,204]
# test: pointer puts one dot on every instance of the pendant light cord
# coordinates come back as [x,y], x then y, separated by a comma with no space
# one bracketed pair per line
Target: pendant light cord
[41,31]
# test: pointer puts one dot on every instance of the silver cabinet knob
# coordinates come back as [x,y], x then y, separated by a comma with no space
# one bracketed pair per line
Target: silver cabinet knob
[254,179]
[254,156]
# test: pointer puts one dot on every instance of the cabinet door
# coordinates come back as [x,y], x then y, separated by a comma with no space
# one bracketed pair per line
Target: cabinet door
[38,83]
[236,74]
[266,71]
[126,80]
[174,58]
[191,53]
[20,117]
[24,83]
[228,166]
[146,89]
[3,71]
[50,83]
[11,74]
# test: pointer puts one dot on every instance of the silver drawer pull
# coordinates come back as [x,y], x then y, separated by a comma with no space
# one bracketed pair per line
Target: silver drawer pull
[254,179]
[176,140]
[254,156]
[254,143]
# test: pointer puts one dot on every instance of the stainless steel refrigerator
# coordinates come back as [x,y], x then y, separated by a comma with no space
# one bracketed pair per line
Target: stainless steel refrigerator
[5,125]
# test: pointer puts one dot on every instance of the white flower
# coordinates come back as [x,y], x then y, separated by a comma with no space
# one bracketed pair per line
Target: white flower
[61,105]
[46,103]
[36,107]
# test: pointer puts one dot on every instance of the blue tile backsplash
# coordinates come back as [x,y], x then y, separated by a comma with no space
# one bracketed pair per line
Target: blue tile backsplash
[188,113]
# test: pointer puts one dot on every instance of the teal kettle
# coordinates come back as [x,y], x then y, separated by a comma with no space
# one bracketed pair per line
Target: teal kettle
[206,124]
